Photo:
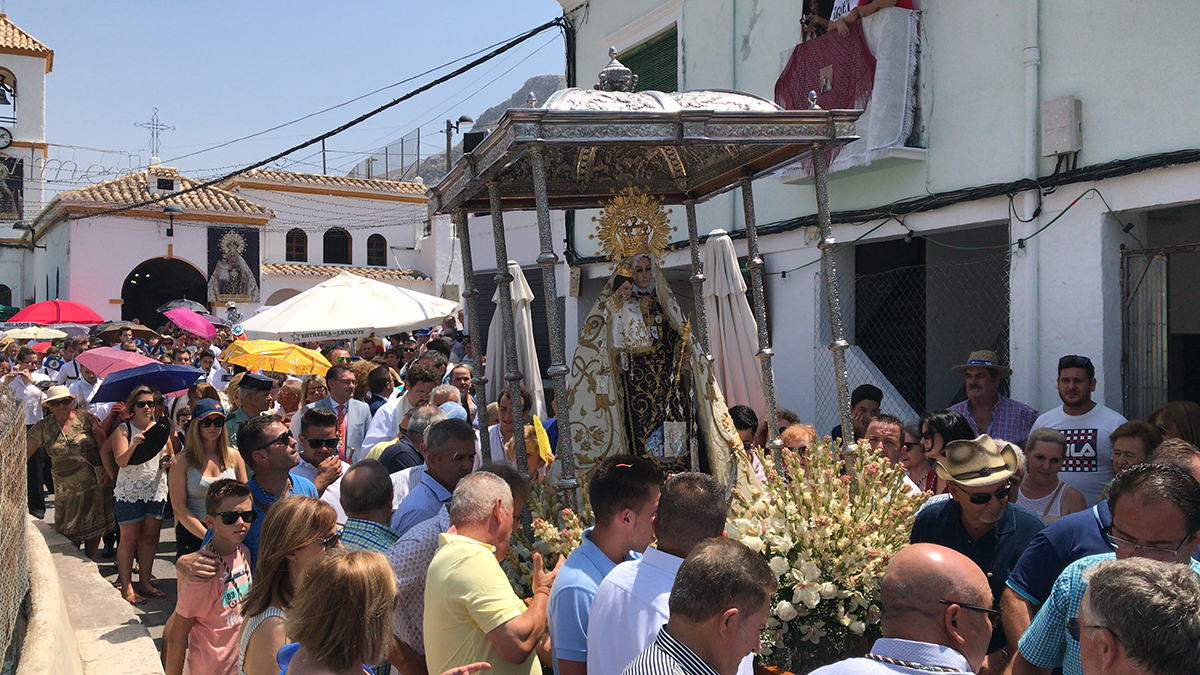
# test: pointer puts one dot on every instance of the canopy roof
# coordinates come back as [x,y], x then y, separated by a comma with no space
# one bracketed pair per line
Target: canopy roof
[675,146]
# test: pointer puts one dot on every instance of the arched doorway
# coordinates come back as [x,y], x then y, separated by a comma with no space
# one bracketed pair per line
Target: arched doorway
[157,281]
[281,295]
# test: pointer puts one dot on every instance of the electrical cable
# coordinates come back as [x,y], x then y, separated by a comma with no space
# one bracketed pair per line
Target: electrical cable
[340,105]
[556,22]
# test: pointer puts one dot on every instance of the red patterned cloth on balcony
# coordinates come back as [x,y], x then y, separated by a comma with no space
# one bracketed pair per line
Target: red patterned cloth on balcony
[840,69]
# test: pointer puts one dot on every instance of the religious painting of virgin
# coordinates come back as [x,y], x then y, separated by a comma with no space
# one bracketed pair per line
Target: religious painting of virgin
[233,265]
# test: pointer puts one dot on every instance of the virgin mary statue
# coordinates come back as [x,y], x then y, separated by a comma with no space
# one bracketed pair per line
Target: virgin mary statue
[639,381]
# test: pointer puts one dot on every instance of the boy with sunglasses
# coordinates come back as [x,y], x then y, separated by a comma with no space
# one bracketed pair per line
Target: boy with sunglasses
[979,522]
[207,615]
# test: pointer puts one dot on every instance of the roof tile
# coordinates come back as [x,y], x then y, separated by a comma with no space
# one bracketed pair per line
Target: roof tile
[323,180]
[14,39]
[132,189]
[306,270]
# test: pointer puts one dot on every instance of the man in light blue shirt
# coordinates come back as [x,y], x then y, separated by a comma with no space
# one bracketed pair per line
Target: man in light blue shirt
[449,457]
[632,603]
[1155,515]
[936,616]
[624,492]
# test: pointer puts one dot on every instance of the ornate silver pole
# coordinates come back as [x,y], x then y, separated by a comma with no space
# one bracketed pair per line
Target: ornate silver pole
[470,299]
[837,343]
[697,278]
[558,358]
[512,371]
[755,264]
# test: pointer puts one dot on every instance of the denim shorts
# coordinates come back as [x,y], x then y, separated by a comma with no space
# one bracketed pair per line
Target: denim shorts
[129,513]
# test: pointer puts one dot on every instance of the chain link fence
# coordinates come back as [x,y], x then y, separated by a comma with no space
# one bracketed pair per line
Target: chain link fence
[909,326]
[14,573]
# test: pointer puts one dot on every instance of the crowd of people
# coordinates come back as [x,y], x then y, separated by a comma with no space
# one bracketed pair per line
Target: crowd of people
[347,519]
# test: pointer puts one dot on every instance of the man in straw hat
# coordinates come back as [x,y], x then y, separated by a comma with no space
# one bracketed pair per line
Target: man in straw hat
[979,521]
[986,410]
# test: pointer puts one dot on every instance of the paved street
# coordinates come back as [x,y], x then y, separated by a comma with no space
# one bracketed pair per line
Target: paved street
[155,611]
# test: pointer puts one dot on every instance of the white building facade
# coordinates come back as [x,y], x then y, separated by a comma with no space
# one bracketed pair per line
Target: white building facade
[257,240]
[1093,256]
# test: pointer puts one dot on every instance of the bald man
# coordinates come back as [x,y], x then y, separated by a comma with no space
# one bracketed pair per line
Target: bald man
[937,611]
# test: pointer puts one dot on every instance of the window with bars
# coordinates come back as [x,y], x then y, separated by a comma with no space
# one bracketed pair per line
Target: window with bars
[376,250]
[655,62]
[337,246]
[297,246]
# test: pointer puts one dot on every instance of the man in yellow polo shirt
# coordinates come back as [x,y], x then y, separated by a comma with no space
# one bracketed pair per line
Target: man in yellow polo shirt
[471,612]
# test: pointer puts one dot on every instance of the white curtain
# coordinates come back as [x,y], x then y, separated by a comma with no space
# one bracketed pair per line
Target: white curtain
[527,360]
[732,330]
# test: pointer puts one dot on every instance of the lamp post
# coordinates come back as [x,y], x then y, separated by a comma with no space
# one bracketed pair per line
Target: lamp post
[451,129]
[171,210]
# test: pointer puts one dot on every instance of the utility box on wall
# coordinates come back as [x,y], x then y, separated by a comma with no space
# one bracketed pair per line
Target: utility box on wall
[1062,126]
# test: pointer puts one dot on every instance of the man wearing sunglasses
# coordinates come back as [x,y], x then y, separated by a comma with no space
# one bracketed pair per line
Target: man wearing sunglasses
[1155,515]
[979,521]
[319,461]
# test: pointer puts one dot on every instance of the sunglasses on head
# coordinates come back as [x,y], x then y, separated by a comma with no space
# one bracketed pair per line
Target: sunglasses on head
[981,498]
[318,443]
[231,517]
[211,421]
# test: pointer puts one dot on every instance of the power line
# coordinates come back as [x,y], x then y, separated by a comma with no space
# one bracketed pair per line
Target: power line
[557,22]
[339,105]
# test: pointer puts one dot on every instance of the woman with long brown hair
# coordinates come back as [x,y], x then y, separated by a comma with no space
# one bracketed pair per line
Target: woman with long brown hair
[206,458]
[295,534]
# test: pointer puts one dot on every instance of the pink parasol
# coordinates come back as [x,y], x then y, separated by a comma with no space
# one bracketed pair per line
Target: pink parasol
[191,322]
[105,360]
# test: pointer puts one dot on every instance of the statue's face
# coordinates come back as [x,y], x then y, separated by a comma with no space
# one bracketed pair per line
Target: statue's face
[642,272]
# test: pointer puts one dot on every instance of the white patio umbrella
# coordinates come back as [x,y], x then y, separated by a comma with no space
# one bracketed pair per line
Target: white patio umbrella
[527,359]
[348,306]
[732,330]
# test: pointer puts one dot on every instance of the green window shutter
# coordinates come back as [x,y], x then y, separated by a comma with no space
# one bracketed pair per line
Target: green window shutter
[655,62]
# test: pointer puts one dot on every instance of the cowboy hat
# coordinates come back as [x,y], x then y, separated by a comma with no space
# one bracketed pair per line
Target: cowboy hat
[977,462]
[56,393]
[984,358]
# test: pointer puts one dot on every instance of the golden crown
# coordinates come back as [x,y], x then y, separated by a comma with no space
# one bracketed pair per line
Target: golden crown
[232,241]
[632,223]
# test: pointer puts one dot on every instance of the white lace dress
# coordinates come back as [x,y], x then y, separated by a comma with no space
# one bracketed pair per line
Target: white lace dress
[146,481]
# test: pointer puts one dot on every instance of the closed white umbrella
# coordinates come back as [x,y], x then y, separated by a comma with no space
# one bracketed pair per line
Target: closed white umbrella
[348,306]
[527,359]
[732,330]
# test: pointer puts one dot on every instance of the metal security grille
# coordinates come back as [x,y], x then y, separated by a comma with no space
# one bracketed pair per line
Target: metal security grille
[376,250]
[14,573]
[1144,317]
[297,246]
[655,62]
[908,327]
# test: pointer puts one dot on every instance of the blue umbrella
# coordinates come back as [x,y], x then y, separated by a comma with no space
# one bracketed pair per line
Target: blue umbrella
[164,377]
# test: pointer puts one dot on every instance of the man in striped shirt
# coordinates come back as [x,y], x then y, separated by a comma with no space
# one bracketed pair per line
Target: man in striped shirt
[719,605]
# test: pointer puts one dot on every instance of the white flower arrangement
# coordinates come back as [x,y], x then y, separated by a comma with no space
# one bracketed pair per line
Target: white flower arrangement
[828,531]
[557,530]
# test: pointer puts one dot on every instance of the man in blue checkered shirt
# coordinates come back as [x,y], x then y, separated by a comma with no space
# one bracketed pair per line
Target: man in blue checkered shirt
[986,409]
[1156,515]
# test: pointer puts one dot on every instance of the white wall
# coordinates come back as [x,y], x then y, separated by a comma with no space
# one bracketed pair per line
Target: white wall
[1117,60]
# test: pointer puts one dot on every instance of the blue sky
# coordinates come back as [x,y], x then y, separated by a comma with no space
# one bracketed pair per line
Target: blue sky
[218,70]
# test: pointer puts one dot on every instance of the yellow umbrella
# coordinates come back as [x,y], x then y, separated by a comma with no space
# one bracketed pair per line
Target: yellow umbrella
[279,357]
